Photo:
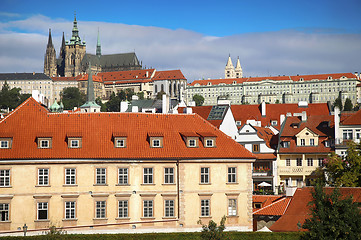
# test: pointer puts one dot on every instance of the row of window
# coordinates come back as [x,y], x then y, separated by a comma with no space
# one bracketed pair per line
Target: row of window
[119,142]
[123,209]
[309,162]
[43,178]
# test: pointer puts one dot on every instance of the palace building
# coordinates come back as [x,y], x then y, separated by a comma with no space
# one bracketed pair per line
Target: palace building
[120,172]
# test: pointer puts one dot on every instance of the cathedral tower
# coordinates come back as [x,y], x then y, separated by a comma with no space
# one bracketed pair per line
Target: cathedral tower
[238,69]
[50,66]
[99,48]
[229,70]
[74,53]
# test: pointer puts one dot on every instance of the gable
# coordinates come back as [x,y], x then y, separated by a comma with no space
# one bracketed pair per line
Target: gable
[306,132]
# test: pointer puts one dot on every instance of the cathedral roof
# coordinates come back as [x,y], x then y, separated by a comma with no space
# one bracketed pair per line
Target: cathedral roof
[121,59]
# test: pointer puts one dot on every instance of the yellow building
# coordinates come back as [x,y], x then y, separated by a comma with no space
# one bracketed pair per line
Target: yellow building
[121,172]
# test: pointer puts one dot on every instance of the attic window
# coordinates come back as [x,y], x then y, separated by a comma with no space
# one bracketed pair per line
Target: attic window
[6,142]
[286,144]
[209,143]
[257,205]
[208,139]
[155,140]
[274,122]
[120,142]
[156,143]
[238,123]
[301,79]
[209,84]
[44,142]
[191,139]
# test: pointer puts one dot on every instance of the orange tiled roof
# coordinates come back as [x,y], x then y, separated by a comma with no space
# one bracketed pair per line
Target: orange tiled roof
[275,78]
[273,111]
[299,210]
[126,75]
[96,130]
[354,119]
[94,77]
[169,75]
[273,207]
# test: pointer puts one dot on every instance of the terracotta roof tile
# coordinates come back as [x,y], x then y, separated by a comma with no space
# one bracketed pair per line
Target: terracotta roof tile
[122,76]
[299,209]
[275,208]
[169,75]
[96,130]
[354,119]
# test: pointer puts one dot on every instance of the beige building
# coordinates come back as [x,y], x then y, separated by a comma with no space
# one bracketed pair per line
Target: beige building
[120,172]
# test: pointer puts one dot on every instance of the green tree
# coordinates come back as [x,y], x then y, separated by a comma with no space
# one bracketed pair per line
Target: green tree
[129,92]
[348,105]
[212,231]
[98,101]
[338,103]
[140,95]
[72,97]
[198,99]
[160,95]
[341,172]
[122,95]
[11,98]
[332,217]
[113,105]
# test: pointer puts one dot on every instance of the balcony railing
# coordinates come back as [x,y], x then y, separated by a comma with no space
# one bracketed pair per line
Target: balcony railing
[306,170]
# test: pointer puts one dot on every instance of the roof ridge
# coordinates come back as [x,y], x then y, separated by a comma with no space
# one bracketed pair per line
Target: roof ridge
[277,201]
[18,107]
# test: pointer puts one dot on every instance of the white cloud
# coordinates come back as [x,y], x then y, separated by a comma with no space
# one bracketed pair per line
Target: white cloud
[198,56]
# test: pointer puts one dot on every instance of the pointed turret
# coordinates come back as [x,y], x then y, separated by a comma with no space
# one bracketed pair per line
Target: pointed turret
[229,70]
[50,67]
[99,49]
[62,48]
[238,69]
[75,39]
[90,105]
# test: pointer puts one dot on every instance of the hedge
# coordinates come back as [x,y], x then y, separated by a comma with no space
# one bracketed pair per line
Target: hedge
[163,236]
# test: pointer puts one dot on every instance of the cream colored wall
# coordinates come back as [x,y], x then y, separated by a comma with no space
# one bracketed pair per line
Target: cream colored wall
[307,135]
[24,194]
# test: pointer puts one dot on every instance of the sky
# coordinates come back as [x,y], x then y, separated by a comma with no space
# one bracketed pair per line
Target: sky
[271,38]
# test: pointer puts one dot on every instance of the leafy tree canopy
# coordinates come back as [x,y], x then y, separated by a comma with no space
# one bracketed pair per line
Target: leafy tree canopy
[332,217]
[198,99]
[72,97]
[11,98]
[212,231]
[338,103]
[348,105]
[160,95]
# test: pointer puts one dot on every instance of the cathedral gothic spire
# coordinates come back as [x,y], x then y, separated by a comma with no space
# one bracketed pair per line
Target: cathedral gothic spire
[99,48]
[50,67]
[238,69]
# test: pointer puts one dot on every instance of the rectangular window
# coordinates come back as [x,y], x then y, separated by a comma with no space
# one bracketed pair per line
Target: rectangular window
[192,143]
[4,144]
[358,133]
[302,142]
[312,142]
[286,144]
[232,207]
[120,143]
[70,176]
[69,210]
[310,162]
[4,212]
[169,175]
[101,176]
[156,143]
[43,176]
[148,208]
[205,175]
[100,209]
[347,134]
[320,162]
[232,176]
[42,210]
[123,208]
[74,143]
[147,175]
[209,143]
[4,177]
[123,176]
[288,162]
[299,162]
[169,208]
[255,148]
[44,144]
[205,207]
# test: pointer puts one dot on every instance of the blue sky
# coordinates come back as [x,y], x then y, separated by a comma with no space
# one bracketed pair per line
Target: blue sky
[270,37]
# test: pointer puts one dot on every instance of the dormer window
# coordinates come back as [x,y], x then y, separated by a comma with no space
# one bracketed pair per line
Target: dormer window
[191,139]
[74,140]
[274,122]
[238,123]
[155,140]
[44,142]
[120,140]
[208,139]
[5,142]
[286,144]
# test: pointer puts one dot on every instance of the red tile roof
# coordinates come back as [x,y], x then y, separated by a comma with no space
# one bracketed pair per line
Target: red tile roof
[168,75]
[299,210]
[321,125]
[96,130]
[354,119]
[272,205]
[275,78]
[273,111]
[94,77]
[126,75]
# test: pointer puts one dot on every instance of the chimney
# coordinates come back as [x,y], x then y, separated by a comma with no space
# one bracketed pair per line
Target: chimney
[134,108]
[282,118]
[165,103]
[304,116]
[146,74]
[187,110]
[337,123]
[123,106]
[263,109]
